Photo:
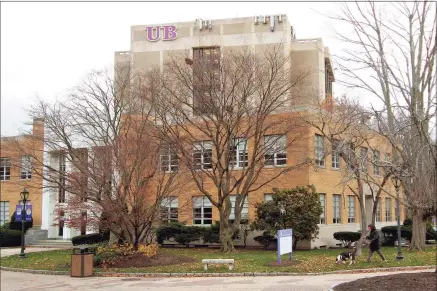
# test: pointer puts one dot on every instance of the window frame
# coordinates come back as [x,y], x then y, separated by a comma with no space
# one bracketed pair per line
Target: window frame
[335,156]
[26,169]
[205,203]
[376,163]
[199,148]
[168,203]
[5,169]
[4,212]
[322,219]
[239,157]
[275,151]
[388,212]
[336,219]
[319,145]
[351,209]
[244,216]
[169,153]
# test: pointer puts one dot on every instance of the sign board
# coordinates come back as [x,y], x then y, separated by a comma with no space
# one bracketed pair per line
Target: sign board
[19,212]
[165,32]
[285,243]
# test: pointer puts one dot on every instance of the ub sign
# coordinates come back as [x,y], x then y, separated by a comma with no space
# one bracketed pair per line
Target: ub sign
[166,32]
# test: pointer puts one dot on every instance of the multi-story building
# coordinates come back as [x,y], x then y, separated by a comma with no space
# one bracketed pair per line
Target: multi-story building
[152,46]
[18,170]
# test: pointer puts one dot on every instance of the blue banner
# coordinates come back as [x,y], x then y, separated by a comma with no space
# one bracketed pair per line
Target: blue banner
[19,212]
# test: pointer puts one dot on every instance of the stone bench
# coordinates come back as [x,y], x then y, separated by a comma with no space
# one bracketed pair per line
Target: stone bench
[229,262]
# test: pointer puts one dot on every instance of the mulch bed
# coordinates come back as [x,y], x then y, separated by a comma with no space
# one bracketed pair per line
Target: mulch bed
[284,263]
[162,259]
[400,282]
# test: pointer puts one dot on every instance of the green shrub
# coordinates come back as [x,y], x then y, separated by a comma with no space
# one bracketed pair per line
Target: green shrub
[408,222]
[347,237]
[10,238]
[16,225]
[89,239]
[265,240]
[179,233]
[391,234]
[212,234]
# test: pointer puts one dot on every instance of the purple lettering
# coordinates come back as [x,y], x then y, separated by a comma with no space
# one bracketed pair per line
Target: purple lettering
[169,32]
[150,34]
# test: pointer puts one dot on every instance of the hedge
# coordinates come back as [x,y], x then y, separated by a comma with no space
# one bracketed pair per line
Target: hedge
[180,233]
[89,239]
[265,240]
[347,237]
[10,238]
[16,225]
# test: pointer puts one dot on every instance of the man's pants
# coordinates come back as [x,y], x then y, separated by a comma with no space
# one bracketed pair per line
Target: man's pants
[371,254]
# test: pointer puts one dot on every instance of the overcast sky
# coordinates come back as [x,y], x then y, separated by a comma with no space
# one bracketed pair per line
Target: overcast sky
[46,48]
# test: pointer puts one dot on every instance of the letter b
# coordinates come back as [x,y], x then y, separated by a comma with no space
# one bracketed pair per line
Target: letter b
[169,32]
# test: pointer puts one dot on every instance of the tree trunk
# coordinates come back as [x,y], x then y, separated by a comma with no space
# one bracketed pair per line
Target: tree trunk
[375,207]
[226,243]
[418,230]
[363,224]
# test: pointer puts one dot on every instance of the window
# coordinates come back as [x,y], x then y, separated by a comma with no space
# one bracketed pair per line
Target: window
[319,150]
[336,200]
[378,211]
[5,169]
[202,210]
[238,153]
[386,161]
[335,155]
[4,212]
[170,209]
[323,203]
[61,186]
[202,155]
[275,150]
[387,209]
[244,210]
[206,79]
[376,162]
[328,79]
[350,209]
[26,167]
[168,157]
[268,197]
[363,157]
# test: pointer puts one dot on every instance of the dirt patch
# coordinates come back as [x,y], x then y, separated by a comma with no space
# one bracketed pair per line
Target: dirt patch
[400,282]
[162,259]
[284,263]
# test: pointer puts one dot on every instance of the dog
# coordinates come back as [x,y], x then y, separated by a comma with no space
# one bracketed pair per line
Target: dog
[344,256]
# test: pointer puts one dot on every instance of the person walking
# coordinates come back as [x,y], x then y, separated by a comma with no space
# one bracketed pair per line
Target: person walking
[374,246]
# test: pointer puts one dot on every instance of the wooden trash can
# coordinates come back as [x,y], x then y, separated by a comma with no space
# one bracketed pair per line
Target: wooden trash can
[82,263]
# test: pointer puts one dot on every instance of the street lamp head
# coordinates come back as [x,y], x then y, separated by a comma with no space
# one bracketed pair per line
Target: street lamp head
[24,195]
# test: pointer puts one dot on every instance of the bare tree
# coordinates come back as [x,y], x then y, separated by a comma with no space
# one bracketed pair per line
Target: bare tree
[345,125]
[391,54]
[228,114]
[104,139]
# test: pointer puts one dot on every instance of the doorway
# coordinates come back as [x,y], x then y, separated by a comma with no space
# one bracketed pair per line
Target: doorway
[61,224]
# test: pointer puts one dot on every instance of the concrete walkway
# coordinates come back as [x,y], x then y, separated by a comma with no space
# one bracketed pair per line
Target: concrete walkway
[33,282]
[15,251]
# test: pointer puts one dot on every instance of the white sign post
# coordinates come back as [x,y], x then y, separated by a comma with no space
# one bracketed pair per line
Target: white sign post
[285,243]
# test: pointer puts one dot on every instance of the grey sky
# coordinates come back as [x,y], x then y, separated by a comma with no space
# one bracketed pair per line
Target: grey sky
[46,48]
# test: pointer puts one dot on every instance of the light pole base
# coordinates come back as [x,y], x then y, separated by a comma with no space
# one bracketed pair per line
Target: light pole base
[23,256]
[400,256]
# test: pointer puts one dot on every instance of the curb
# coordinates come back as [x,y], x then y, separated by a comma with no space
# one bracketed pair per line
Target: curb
[247,274]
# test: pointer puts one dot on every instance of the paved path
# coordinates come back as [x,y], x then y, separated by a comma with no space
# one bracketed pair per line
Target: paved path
[33,282]
[14,251]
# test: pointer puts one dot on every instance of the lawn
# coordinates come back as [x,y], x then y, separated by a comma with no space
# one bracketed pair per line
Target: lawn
[245,261]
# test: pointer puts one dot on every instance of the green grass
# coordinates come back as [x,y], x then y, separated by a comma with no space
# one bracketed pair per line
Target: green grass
[245,261]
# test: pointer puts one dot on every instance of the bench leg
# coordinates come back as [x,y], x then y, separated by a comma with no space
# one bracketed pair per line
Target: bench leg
[205,267]
[231,267]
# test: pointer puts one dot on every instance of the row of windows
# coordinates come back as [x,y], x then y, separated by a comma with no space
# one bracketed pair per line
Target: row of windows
[275,154]
[319,147]
[4,212]
[202,209]
[25,168]
[351,217]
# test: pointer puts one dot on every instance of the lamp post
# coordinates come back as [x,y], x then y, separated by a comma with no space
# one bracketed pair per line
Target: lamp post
[396,183]
[24,196]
